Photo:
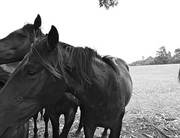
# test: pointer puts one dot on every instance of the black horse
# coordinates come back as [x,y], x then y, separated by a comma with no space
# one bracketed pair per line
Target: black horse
[15,46]
[19,42]
[104,88]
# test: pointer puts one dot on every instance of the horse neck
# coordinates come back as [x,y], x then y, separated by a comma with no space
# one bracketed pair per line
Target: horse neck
[74,86]
[90,93]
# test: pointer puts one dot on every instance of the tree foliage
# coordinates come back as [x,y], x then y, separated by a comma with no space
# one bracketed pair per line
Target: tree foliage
[177,52]
[108,3]
[162,57]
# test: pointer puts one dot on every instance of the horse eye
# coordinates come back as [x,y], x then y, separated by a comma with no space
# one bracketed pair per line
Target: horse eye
[29,73]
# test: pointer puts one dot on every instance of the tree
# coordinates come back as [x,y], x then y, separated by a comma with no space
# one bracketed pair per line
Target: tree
[176,57]
[162,56]
[161,52]
[142,58]
[169,54]
[108,3]
[177,52]
[149,61]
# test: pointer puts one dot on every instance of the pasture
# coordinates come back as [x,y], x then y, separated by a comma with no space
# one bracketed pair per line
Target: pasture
[154,109]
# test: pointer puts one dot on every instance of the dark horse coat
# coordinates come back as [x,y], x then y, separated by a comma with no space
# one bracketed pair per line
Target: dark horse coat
[22,131]
[104,86]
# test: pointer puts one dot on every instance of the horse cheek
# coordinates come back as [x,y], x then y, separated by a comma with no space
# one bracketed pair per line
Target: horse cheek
[51,92]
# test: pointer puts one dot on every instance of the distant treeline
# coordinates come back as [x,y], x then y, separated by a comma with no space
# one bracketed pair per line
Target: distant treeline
[162,57]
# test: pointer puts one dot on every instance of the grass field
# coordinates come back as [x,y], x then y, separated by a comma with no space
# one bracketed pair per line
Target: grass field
[154,109]
[155,100]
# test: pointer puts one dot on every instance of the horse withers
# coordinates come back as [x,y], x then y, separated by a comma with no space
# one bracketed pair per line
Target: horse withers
[41,79]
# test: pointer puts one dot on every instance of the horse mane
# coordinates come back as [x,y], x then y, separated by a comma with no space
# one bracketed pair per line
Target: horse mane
[81,63]
[78,64]
[65,45]
[51,62]
[82,59]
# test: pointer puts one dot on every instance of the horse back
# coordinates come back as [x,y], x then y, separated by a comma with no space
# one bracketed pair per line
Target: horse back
[122,70]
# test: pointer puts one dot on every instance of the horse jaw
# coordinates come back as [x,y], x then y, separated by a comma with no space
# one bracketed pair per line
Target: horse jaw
[11,117]
[11,53]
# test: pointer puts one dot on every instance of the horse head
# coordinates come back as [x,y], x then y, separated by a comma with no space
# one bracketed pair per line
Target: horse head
[17,44]
[32,85]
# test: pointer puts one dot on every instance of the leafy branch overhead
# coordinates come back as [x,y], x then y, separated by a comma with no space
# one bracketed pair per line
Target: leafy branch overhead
[108,3]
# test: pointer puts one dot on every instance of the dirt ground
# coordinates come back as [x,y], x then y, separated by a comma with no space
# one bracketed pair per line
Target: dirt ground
[135,125]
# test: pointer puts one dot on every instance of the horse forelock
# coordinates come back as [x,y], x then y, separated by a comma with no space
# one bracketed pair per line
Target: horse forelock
[50,61]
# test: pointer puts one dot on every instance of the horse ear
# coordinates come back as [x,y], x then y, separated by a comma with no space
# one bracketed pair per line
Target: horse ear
[53,38]
[37,22]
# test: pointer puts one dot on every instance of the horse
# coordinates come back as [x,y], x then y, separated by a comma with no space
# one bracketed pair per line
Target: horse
[21,46]
[48,71]
[22,131]
[14,47]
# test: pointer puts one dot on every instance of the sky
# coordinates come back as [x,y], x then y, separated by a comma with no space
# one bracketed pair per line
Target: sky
[133,29]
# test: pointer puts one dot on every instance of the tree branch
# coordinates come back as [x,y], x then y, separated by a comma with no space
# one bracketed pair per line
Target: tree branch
[108,3]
